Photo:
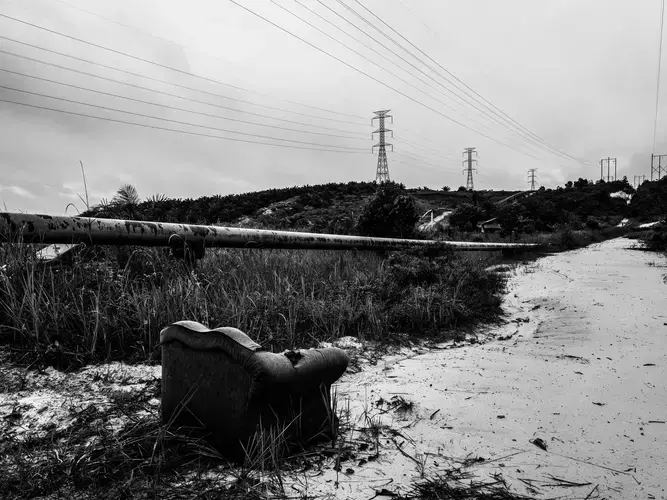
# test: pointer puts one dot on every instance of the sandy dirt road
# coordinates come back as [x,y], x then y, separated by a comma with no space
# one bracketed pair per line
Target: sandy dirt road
[587,374]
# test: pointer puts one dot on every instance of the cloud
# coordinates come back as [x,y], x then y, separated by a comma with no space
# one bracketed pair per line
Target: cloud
[17,190]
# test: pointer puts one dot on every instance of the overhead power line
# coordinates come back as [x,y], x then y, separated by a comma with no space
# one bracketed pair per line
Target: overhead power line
[461,100]
[164,66]
[507,117]
[430,151]
[378,65]
[435,32]
[176,44]
[390,60]
[234,139]
[377,80]
[157,80]
[415,157]
[142,115]
[175,108]
[423,167]
[415,133]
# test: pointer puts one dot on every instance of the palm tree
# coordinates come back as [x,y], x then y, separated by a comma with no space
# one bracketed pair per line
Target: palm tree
[125,202]
[126,195]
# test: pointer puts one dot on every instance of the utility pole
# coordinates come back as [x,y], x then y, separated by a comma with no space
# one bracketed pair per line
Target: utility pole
[657,169]
[470,186]
[608,161]
[638,180]
[382,172]
[531,178]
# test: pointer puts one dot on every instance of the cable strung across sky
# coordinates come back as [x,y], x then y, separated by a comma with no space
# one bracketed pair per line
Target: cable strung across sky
[157,80]
[417,101]
[424,70]
[357,137]
[501,113]
[163,66]
[140,30]
[155,127]
[142,115]
[382,67]
[301,4]
[166,106]
[149,78]
[481,112]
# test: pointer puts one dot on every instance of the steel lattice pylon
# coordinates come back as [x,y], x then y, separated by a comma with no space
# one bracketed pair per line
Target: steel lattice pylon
[657,169]
[469,162]
[382,172]
[532,178]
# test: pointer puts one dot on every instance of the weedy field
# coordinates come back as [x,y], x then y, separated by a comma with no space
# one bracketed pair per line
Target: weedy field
[112,305]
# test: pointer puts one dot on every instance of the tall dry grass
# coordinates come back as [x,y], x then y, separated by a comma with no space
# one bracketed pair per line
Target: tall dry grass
[113,304]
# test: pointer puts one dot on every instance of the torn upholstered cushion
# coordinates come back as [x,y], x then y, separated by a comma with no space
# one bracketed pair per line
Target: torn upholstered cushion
[223,380]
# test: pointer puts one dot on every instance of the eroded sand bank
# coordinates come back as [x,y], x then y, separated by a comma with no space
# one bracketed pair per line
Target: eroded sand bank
[586,374]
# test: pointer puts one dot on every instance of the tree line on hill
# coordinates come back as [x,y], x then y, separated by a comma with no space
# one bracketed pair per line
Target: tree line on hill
[388,210]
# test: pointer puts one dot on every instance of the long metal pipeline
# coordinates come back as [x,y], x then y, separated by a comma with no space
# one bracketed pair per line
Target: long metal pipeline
[36,228]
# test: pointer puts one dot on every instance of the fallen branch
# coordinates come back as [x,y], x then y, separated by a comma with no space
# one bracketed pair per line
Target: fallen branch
[592,491]
[590,463]
[404,453]
[565,483]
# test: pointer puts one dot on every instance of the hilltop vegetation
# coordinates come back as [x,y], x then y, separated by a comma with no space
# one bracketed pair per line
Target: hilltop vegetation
[327,208]
[579,205]
[650,201]
[392,210]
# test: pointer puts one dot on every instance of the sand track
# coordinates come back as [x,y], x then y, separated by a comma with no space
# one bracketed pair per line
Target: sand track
[586,374]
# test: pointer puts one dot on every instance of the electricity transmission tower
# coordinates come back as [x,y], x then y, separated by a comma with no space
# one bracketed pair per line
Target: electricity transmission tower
[470,186]
[638,180]
[608,161]
[657,168]
[532,173]
[382,173]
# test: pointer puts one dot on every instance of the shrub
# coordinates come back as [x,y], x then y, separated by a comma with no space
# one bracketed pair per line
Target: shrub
[389,213]
[466,217]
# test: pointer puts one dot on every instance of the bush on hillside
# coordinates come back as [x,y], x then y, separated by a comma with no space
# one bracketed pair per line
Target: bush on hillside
[650,200]
[467,216]
[390,213]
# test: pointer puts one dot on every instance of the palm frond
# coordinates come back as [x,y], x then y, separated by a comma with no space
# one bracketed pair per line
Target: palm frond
[126,195]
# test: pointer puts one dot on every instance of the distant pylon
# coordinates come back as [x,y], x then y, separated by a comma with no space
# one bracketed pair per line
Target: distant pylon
[657,169]
[638,180]
[608,161]
[470,186]
[531,178]
[382,172]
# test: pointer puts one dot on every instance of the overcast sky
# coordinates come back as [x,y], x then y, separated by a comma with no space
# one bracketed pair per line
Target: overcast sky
[579,76]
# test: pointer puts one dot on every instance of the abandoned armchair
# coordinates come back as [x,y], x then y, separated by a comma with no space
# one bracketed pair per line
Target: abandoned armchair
[223,380]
